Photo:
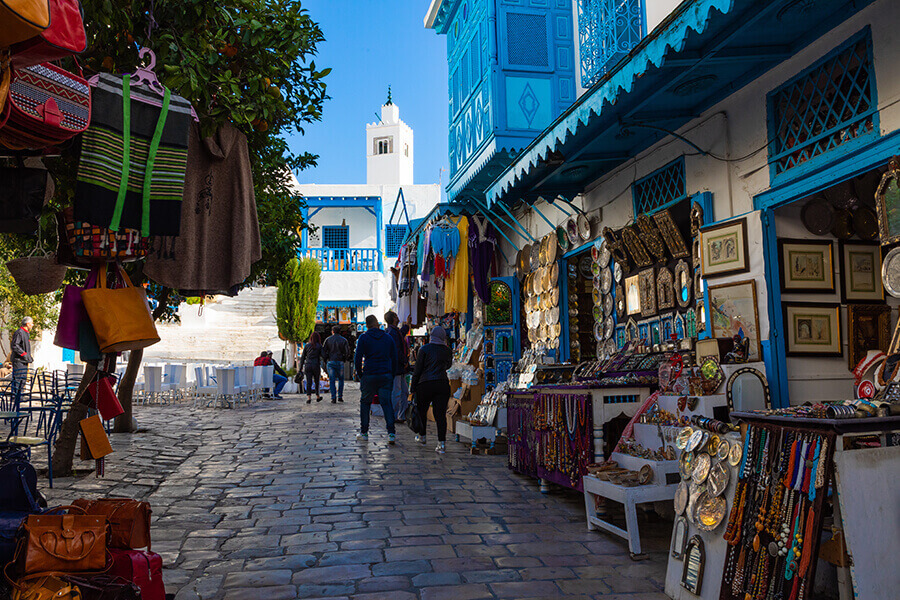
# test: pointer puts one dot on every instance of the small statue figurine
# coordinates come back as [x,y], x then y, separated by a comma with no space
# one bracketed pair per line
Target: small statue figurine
[741,350]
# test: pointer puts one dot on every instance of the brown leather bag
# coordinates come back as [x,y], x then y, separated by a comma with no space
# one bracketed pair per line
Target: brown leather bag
[129,520]
[46,588]
[68,543]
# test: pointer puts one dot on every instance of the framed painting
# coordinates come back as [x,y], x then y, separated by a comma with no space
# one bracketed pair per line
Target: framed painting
[861,272]
[632,295]
[723,249]
[813,329]
[647,289]
[806,266]
[868,328]
[887,204]
[733,311]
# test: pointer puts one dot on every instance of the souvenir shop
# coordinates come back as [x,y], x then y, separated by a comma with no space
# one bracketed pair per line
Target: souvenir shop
[145,187]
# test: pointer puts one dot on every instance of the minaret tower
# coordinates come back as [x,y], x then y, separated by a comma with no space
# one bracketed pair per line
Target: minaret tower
[389,148]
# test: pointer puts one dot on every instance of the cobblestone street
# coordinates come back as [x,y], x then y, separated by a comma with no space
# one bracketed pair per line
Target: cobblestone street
[279,501]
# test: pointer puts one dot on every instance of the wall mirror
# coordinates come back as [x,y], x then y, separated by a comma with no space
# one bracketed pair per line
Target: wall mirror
[747,390]
[499,310]
[694,558]
[683,284]
[679,537]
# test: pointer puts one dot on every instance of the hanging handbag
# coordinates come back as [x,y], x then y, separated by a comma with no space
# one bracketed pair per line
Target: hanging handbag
[22,196]
[105,399]
[22,19]
[129,520]
[88,348]
[64,37]
[120,317]
[46,105]
[93,243]
[72,314]
[94,441]
[68,543]
[46,588]
[103,587]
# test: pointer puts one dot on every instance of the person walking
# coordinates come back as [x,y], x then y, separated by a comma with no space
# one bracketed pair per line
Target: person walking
[431,385]
[335,351]
[375,361]
[20,346]
[400,390]
[311,365]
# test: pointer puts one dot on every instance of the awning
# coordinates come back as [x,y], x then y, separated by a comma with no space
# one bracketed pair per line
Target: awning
[700,54]
[344,304]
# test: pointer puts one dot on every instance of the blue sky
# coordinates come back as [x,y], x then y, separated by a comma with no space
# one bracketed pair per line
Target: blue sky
[370,44]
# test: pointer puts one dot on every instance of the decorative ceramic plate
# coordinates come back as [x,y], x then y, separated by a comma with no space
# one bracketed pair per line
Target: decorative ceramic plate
[608,305]
[686,465]
[724,448]
[572,232]
[890,272]
[718,478]
[703,441]
[617,272]
[597,296]
[681,498]
[681,440]
[595,251]
[554,294]
[552,248]
[606,281]
[645,475]
[543,252]
[598,332]
[554,315]
[693,496]
[710,511]
[535,255]
[584,227]
[562,238]
[712,446]
[605,254]
[597,312]
[694,442]
[702,464]
[609,327]
[595,268]
[586,266]
[735,454]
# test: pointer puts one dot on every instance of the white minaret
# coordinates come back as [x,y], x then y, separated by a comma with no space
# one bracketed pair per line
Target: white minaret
[389,148]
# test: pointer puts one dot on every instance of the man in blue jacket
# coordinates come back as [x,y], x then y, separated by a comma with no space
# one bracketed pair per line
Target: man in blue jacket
[376,362]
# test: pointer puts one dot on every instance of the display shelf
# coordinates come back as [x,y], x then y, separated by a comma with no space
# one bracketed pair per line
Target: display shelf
[662,469]
[472,433]
[647,434]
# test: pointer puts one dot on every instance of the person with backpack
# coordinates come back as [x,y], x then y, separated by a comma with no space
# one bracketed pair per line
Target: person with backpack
[311,365]
[431,385]
[335,351]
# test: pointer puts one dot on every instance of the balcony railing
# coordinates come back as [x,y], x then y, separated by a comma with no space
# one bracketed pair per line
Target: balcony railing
[344,259]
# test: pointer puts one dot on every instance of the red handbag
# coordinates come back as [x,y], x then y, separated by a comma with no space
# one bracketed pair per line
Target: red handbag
[144,569]
[46,105]
[64,37]
[105,398]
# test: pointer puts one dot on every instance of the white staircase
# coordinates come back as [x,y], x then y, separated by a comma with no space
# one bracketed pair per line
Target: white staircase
[228,330]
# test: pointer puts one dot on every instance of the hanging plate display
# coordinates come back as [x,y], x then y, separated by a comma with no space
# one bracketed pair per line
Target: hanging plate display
[552,248]
[562,238]
[554,315]
[584,227]
[605,254]
[554,274]
[842,195]
[595,251]
[597,282]
[543,252]
[606,281]
[702,464]
[557,329]
[681,498]
[694,441]
[608,305]
[597,296]
[520,268]
[585,266]
[693,495]
[712,445]
[686,464]
[554,295]
[545,279]
[620,303]
[865,223]
[597,312]
[598,332]
[842,228]
[681,440]
[890,272]
[609,328]
[735,454]
[572,232]
[535,255]
[817,216]
[596,268]
[526,258]
[718,477]
[617,272]
[724,448]
[710,511]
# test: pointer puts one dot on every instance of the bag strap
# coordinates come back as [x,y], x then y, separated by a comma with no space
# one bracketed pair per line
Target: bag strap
[31,501]
[121,272]
[126,153]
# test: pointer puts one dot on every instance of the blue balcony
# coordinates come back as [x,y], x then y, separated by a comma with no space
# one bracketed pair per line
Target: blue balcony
[344,259]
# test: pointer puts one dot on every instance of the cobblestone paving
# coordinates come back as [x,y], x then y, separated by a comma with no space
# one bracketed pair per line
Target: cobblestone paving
[278,501]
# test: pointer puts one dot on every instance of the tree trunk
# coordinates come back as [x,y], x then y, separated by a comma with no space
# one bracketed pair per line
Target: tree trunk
[64,451]
[126,392]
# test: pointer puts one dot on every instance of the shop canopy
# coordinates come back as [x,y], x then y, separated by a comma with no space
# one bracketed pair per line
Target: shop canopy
[700,54]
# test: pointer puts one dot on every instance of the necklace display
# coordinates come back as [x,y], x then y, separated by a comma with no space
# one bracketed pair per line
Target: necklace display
[775,522]
[563,425]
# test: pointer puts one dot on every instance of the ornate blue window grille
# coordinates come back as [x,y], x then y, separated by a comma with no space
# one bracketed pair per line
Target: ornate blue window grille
[661,188]
[831,103]
[336,236]
[393,239]
[607,31]
[526,37]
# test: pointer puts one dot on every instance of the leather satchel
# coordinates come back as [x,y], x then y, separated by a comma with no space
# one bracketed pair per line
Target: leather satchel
[142,568]
[46,588]
[121,317]
[64,37]
[22,19]
[103,587]
[105,399]
[129,520]
[68,543]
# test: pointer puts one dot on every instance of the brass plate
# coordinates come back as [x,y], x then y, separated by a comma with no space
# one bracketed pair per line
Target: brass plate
[684,435]
[712,446]
[718,478]
[735,454]
[724,448]
[552,248]
[535,255]
[686,464]
[694,442]
[701,468]
[554,295]
[710,511]
[554,274]
[681,498]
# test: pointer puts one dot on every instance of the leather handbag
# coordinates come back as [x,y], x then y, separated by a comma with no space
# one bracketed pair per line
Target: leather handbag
[46,105]
[144,569]
[129,520]
[22,19]
[48,587]
[121,317]
[64,37]
[105,399]
[103,587]
[94,441]
[68,543]
[93,243]
[72,314]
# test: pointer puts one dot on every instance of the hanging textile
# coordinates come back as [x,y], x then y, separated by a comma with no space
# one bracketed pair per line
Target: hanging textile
[456,298]
[482,249]
[219,241]
[434,301]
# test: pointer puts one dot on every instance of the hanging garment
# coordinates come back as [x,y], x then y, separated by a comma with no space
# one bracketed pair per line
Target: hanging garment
[219,240]
[434,301]
[482,248]
[155,139]
[456,295]
[445,238]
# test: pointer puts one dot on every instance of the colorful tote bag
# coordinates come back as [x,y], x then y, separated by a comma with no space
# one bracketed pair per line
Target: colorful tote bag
[92,243]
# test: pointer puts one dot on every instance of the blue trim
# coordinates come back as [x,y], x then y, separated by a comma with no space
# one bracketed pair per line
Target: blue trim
[304,235]
[658,188]
[776,361]
[315,212]
[563,352]
[813,74]
[370,210]
[379,227]
[341,231]
[393,243]
[344,304]
[342,201]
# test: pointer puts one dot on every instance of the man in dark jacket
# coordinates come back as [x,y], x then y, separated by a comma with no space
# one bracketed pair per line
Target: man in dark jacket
[400,390]
[376,348]
[335,351]
[21,349]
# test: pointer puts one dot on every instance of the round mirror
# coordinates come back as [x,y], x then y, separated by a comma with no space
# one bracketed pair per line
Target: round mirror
[747,390]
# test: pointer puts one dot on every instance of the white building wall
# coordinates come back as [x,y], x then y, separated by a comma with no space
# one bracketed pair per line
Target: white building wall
[736,127]
[395,167]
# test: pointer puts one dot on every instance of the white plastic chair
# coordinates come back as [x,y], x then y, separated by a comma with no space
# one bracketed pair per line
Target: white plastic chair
[268,373]
[226,391]
[204,389]
[153,384]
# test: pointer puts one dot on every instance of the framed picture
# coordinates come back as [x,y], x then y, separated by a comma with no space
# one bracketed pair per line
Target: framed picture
[806,266]
[632,295]
[887,204]
[813,329]
[868,328]
[732,309]
[861,272]
[647,289]
[723,249]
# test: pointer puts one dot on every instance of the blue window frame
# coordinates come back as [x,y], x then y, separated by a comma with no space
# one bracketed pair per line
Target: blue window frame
[607,31]
[336,236]
[660,189]
[830,104]
[393,239]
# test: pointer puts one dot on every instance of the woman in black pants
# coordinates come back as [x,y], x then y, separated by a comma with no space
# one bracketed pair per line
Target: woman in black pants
[431,385]
[311,365]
